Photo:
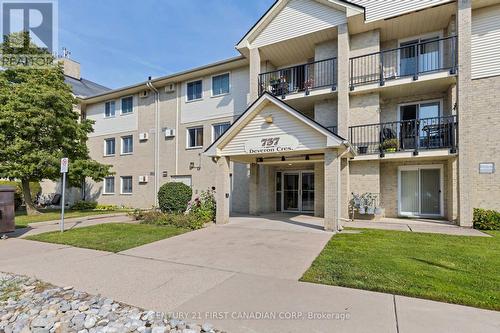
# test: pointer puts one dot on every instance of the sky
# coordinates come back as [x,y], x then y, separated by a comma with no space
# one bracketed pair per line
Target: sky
[122,42]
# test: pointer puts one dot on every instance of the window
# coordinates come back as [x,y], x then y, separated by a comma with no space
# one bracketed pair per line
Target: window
[127,144]
[109,147]
[220,84]
[109,185]
[109,109]
[127,105]
[194,90]
[126,185]
[195,137]
[219,129]
[182,179]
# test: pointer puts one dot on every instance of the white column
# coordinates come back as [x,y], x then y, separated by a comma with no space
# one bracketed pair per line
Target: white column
[254,74]
[253,203]
[223,188]
[319,189]
[332,190]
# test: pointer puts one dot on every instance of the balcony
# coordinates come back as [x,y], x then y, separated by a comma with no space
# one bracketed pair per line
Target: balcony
[406,135]
[411,60]
[301,78]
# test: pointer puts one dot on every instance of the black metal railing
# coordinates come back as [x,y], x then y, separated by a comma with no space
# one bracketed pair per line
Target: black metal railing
[332,129]
[405,135]
[301,78]
[407,61]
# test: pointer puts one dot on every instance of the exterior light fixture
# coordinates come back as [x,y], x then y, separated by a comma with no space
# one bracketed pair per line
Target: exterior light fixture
[283,159]
[307,157]
[269,119]
[260,160]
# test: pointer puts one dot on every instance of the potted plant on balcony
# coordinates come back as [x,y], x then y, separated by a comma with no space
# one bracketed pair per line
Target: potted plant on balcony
[390,145]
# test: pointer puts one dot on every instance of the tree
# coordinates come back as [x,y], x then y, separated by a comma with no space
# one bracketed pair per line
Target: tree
[38,125]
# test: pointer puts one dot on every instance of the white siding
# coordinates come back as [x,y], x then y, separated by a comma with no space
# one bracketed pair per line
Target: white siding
[117,124]
[210,107]
[485,42]
[380,9]
[283,124]
[299,17]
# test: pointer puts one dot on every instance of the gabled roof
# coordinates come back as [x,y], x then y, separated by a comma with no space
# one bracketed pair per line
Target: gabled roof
[332,139]
[349,7]
[84,87]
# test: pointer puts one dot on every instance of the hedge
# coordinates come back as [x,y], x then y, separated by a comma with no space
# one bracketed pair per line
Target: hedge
[174,197]
[486,219]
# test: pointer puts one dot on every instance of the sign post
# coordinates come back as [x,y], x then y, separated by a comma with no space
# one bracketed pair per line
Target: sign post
[64,171]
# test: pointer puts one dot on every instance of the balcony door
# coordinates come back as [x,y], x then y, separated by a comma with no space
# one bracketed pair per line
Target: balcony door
[420,191]
[418,119]
[425,50]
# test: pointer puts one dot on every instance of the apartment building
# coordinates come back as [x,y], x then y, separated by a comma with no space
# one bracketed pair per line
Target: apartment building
[328,98]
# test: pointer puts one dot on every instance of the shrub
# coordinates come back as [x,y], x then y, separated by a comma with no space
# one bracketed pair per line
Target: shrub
[186,221]
[84,205]
[174,197]
[486,219]
[204,206]
[106,207]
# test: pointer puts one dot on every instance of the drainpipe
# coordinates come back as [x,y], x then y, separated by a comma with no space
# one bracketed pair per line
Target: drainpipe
[157,142]
[177,111]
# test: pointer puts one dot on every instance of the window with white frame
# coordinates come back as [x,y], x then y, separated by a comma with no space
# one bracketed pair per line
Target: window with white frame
[126,183]
[127,144]
[219,129]
[109,147]
[195,137]
[127,105]
[220,84]
[109,185]
[109,109]
[194,90]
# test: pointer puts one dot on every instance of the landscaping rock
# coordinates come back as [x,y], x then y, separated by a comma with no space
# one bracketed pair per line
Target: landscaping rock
[31,306]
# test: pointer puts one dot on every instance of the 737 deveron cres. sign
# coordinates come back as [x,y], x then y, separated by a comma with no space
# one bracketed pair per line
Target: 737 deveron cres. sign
[271,144]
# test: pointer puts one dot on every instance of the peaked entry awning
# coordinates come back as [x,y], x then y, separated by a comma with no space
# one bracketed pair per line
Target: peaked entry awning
[269,127]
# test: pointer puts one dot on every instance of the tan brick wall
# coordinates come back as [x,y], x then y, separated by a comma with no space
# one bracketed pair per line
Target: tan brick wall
[365,176]
[364,109]
[325,112]
[484,138]
[389,184]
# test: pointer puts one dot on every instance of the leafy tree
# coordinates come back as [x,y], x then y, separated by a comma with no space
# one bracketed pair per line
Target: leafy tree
[39,126]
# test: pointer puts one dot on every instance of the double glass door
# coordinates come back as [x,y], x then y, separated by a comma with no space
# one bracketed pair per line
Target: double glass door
[295,191]
[420,191]
[424,53]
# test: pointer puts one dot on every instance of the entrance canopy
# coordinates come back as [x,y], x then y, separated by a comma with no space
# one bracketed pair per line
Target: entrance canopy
[270,128]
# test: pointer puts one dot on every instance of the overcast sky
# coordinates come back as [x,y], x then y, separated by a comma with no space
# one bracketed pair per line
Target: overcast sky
[121,42]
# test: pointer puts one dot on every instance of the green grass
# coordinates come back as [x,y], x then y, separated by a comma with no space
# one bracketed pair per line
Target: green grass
[453,269]
[111,237]
[22,220]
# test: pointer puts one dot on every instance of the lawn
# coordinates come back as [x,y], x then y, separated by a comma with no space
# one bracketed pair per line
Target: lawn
[22,220]
[453,269]
[111,237]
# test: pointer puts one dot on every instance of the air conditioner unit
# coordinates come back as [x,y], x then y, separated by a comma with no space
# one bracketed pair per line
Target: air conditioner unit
[169,132]
[144,94]
[143,136]
[170,88]
[143,179]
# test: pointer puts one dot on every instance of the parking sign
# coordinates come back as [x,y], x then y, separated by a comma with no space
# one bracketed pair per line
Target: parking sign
[64,164]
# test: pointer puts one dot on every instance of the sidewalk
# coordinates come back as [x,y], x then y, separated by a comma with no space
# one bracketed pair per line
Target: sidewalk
[187,274]
[76,222]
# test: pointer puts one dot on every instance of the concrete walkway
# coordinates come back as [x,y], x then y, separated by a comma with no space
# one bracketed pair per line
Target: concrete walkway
[416,225]
[249,268]
[76,222]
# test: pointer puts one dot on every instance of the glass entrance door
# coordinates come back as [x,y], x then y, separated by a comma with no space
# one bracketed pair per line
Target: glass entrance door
[420,191]
[296,190]
[291,192]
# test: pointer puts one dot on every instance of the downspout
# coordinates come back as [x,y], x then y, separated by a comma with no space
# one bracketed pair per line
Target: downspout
[177,111]
[157,142]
